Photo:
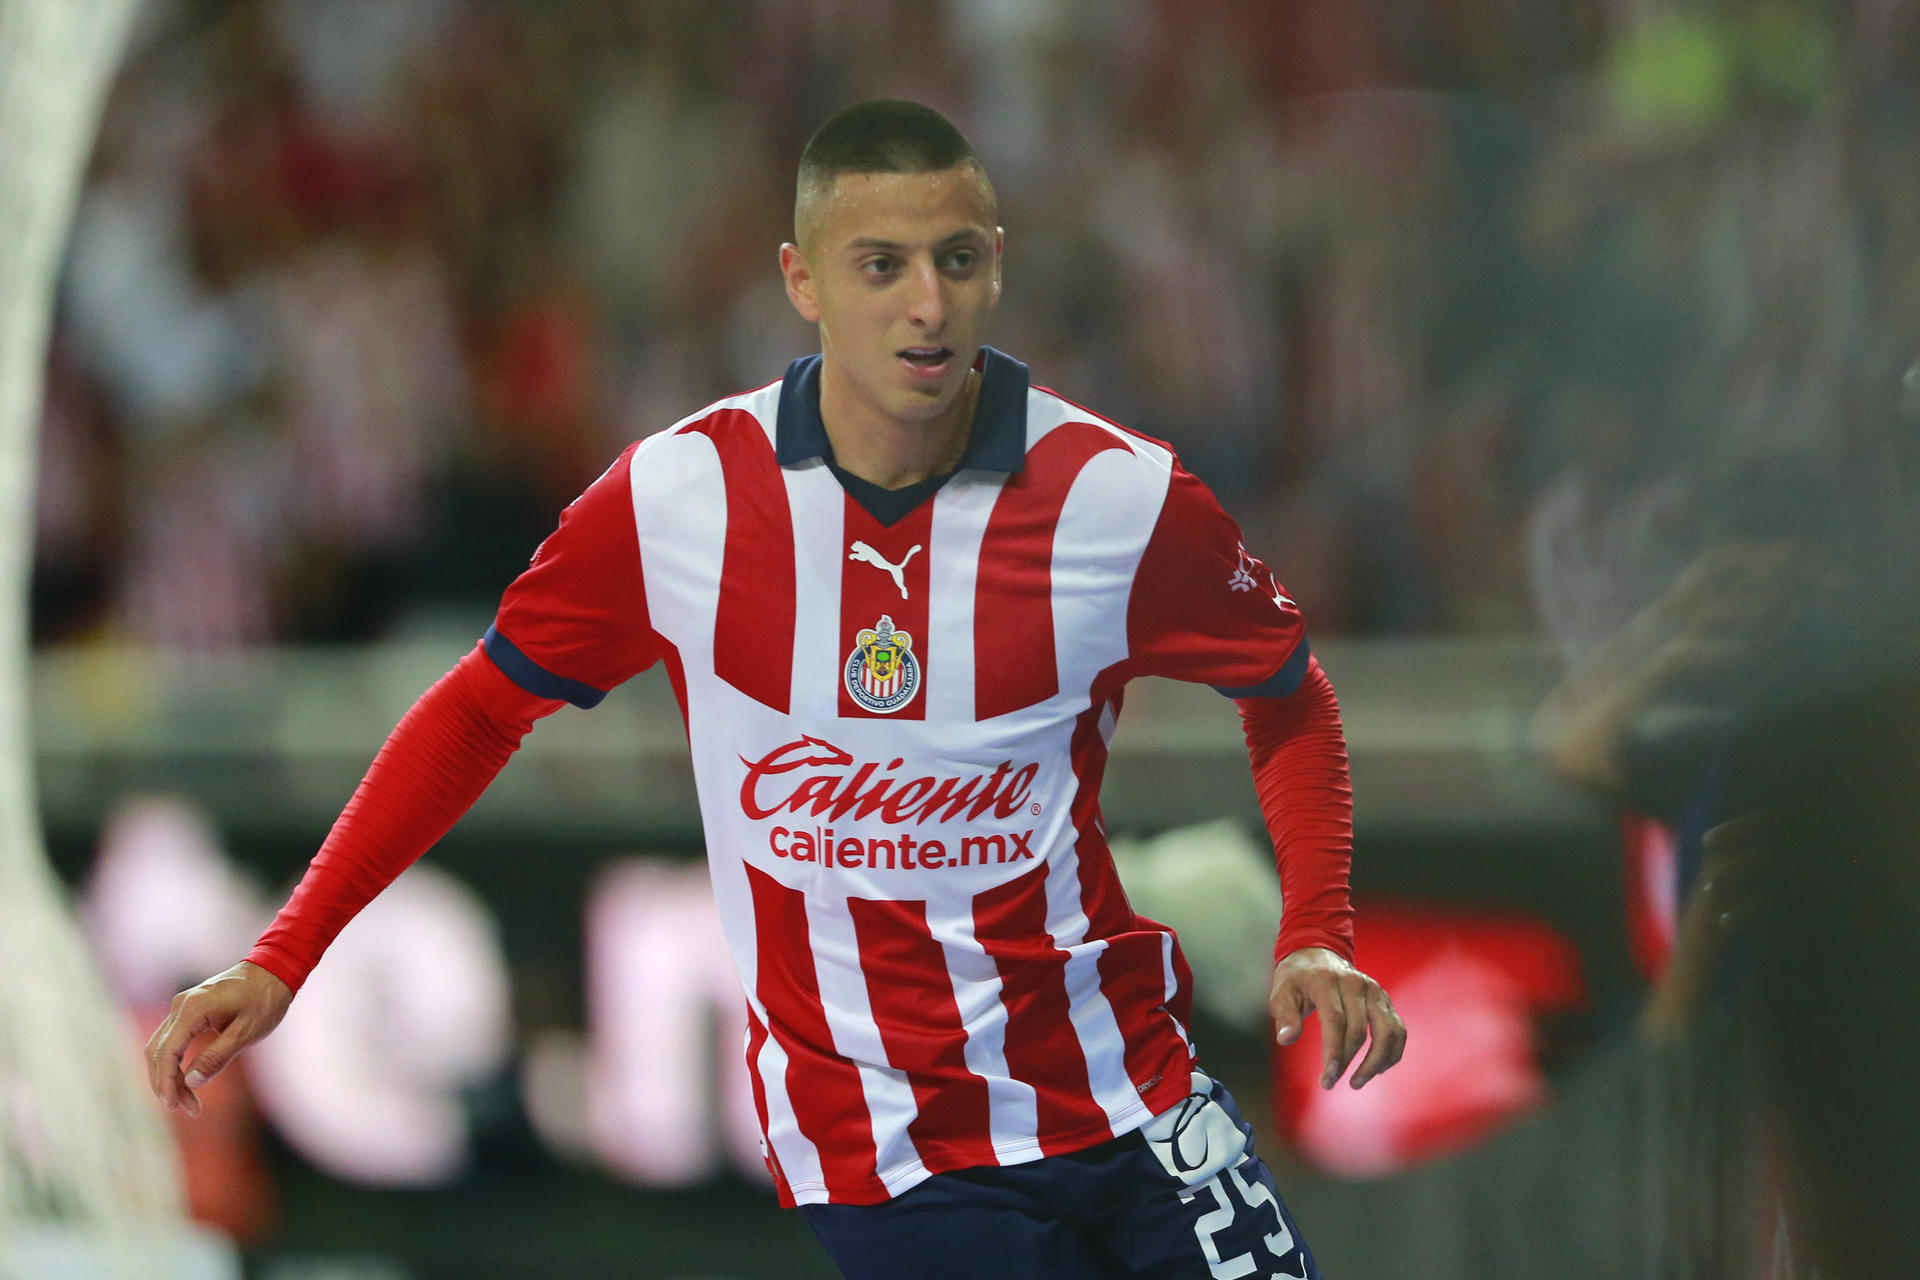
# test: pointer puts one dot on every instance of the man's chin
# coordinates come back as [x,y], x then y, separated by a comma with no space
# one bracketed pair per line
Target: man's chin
[924,403]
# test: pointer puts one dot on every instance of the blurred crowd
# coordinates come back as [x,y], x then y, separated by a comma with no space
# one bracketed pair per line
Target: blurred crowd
[1479,315]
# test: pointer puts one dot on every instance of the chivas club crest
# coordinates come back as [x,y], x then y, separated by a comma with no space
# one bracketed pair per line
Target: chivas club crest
[882,674]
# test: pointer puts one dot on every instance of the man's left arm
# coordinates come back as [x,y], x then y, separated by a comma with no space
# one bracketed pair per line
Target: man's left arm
[1205,609]
[1299,757]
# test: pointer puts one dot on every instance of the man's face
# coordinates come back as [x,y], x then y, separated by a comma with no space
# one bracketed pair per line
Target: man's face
[901,272]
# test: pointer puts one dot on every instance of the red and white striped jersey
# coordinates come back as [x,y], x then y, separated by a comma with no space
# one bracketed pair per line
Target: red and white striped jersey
[898,734]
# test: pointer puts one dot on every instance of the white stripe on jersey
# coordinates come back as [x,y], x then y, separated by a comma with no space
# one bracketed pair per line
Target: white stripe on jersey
[1106,539]
[1093,1021]
[798,1158]
[960,512]
[1011,1115]
[1172,987]
[681,543]
[843,994]
[819,507]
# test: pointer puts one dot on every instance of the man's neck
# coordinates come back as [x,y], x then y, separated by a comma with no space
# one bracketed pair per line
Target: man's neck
[886,451]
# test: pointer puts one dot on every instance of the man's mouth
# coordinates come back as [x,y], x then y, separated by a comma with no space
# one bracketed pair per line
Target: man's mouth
[927,361]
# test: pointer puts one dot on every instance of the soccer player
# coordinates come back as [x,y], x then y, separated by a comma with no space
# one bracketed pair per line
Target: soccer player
[899,593]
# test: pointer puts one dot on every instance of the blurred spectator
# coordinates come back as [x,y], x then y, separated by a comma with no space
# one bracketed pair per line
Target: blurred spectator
[77,519]
[1446,299]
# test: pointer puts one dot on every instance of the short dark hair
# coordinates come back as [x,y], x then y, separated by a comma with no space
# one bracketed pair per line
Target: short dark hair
[884,135]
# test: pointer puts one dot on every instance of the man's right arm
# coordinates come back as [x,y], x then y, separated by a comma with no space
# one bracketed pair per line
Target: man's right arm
[445,751]
[571,627]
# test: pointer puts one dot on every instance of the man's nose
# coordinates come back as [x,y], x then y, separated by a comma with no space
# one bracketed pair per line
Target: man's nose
[927,300]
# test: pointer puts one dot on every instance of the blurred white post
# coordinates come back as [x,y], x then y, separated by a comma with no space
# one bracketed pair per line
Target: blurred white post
[88,1186]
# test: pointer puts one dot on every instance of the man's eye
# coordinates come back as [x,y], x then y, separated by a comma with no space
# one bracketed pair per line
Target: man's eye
[962,260]
[877,266]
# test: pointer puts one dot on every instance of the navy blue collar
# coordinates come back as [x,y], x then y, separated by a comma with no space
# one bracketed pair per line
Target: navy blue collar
[998,441]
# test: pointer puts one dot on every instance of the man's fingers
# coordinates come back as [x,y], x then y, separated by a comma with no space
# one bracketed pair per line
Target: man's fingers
[1359,1021]
[212,1058]
[1333,1036]
[1289,1007]
[163,1053]
[182,1026]
[184,1068]
[1350,996]
[190,1018]
[154,1041]
[1389,1038]
[1353,1008]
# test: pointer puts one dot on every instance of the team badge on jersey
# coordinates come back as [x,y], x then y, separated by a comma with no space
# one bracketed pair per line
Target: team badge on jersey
[882,673]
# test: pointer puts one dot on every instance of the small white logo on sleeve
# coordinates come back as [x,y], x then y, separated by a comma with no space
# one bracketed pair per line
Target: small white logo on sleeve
[865,554]
[1242,579]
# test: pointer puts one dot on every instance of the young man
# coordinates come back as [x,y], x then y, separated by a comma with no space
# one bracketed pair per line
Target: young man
[899,593]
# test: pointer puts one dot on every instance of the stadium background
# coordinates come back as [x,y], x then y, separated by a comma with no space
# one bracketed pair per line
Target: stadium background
[1560,359]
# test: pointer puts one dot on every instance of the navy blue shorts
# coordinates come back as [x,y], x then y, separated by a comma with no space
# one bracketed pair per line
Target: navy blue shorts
[1184,1197]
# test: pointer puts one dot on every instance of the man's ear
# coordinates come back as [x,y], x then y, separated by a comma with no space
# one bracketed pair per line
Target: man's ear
[799,279]
[999,254]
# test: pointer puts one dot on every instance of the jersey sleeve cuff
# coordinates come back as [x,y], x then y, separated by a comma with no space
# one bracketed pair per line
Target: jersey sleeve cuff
[277,963]
[533,677]
[1282,682]
[1287,943]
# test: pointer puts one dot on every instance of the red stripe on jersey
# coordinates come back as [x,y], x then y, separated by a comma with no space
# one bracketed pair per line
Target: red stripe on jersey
[1013,646]
[919,1022]
[822,1085]
[1101,896]
[1132,973]
[753,629]
[1133,979]
[1010,922]
[756,1041]
[868,591]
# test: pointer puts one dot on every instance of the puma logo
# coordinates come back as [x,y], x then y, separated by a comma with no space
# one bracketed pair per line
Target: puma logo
[867,555]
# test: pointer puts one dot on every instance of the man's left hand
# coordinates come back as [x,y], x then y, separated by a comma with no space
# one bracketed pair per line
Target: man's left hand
[1351,1006]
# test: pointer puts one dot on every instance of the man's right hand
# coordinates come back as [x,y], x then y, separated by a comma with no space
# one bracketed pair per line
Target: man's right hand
[236,1008]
